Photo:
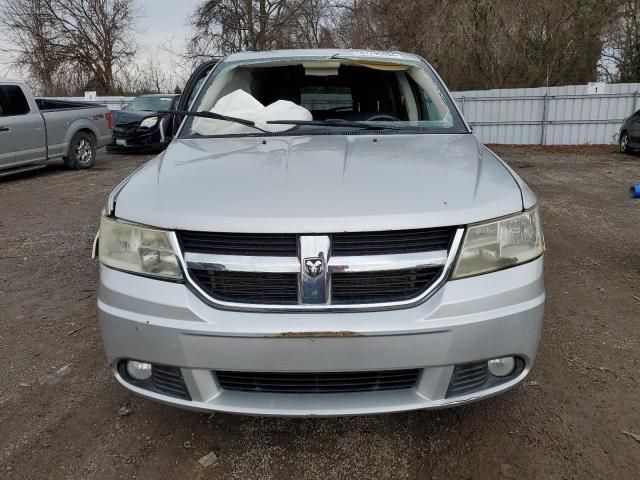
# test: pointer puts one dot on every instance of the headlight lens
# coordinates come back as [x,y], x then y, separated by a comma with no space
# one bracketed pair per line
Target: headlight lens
[149,122]
[133,248]
[499,244]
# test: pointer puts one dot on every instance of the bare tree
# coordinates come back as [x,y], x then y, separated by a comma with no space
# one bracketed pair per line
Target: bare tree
[31,42]
[488,43]
[71,45]
[226,26]
[82,40]
[621,56]
[150,76]
[96,35]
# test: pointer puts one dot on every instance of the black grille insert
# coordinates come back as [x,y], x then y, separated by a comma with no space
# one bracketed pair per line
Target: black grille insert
[168,380]
[467,378]
[384,286]
[391,242]
[323,382]
[249,287]
[251,244]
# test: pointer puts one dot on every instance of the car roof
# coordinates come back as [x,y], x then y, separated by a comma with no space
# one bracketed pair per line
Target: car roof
[323,53]
[160,95]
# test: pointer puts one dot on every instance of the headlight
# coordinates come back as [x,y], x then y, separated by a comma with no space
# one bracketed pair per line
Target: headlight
[149,122]
[499,244]
[133,248]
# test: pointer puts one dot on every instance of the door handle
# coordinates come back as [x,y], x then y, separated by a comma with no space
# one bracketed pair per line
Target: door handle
[4,129]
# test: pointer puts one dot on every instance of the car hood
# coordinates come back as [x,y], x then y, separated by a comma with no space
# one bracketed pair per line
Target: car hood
[320,184]
[125,117]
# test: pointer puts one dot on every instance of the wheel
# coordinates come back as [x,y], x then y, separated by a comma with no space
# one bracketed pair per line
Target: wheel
[82,151]
[624,143]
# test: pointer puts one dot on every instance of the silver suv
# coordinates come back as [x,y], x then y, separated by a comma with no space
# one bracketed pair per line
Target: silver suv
[323,236]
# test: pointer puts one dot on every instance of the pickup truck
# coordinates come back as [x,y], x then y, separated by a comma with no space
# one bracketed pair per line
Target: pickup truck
[34,131]
[324,235]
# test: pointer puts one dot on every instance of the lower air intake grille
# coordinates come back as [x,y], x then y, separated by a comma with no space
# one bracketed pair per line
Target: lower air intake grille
[467,378]
[249,287]
[382,286]
[168,380]
[324,382]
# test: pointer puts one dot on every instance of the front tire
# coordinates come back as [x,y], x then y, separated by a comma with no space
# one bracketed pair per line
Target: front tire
[624,143]
[82,151]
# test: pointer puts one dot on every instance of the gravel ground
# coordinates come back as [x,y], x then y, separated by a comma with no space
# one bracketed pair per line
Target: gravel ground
[59,406]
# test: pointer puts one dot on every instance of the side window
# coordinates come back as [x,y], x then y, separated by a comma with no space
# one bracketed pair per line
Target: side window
[12,101]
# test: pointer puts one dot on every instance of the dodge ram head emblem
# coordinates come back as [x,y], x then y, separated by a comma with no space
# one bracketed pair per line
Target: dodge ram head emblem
[313,267]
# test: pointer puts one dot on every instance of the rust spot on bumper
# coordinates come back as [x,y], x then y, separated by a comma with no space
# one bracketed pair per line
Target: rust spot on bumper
[317,334]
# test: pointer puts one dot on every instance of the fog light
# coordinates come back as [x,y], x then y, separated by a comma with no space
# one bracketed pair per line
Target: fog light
[501,367]
[139,370]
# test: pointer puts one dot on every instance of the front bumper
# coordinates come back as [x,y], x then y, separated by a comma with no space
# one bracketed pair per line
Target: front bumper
[138,139]
[468,320]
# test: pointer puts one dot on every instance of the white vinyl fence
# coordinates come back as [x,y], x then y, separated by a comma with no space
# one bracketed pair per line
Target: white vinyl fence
[570,115]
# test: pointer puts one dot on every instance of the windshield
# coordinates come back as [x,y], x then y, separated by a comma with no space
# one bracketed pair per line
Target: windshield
[150,104]
[326,96]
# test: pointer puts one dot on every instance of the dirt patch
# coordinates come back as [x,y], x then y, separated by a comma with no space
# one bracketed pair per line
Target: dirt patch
[552,149]
[61,412]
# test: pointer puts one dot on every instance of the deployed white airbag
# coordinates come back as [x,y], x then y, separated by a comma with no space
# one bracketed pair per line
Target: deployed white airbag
[240,104]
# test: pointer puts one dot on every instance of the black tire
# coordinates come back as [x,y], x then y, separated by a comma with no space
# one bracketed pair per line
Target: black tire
[82,151]
[623,143]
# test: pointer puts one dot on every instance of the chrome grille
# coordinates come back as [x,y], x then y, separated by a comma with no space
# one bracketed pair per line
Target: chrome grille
[324,382]
[368,270]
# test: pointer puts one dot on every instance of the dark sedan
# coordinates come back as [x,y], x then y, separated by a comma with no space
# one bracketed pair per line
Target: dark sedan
[629,139]
[139,126]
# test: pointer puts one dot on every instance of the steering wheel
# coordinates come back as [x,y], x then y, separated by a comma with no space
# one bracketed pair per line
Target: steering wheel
[382,117]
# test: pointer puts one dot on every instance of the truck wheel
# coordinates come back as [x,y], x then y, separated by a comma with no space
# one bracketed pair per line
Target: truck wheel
[82,151]
[624,143]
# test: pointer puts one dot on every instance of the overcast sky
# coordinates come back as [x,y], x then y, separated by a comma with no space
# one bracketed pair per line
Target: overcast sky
[164,21]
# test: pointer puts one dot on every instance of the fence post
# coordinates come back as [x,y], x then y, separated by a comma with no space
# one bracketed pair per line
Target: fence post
[635,102]
[462,106]
[543,133]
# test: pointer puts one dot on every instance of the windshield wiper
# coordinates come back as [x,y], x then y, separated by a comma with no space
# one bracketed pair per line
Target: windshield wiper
[215,116]
[336,122]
